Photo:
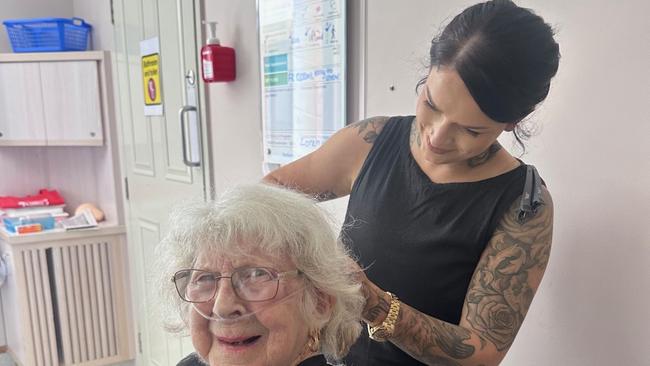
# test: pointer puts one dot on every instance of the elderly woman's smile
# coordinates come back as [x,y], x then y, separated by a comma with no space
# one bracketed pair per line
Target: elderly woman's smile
[251,309]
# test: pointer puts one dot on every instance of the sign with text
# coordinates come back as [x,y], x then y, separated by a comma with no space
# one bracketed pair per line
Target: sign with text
[152,88]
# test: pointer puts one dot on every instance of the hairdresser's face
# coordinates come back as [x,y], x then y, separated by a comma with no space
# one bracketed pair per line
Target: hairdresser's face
[452,128]
[274,336]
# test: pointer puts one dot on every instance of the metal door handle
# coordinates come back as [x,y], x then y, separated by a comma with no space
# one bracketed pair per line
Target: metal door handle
[181,117]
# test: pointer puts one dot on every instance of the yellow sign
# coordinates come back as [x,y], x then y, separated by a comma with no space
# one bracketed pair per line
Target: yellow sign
[151,79]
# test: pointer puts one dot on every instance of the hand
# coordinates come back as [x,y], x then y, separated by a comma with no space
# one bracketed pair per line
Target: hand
[377,300]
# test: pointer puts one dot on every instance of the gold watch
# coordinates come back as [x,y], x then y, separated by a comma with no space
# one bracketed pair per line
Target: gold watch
[386,329]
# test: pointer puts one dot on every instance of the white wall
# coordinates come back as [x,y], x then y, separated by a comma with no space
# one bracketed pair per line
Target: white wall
[594,304]
[19,9]
[234,115]
[592,149]
[98,14]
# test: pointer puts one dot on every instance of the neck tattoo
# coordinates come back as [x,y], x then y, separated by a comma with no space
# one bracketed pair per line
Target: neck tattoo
[414,137]
[483,157]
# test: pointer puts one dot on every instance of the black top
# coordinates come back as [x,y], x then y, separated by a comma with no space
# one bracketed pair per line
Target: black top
[194,360]
[318,360]
[419,239]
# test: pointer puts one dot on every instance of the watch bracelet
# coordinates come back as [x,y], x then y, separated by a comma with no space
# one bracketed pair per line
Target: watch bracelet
[386,329]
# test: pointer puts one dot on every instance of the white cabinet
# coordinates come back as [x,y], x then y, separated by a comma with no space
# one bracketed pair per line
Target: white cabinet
[21,101]
[71,103]
[50,102]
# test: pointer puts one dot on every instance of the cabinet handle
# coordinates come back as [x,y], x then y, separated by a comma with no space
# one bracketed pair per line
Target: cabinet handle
[184,135]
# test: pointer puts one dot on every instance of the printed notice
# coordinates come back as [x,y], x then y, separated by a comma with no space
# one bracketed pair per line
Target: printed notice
[302,48]
[152,89]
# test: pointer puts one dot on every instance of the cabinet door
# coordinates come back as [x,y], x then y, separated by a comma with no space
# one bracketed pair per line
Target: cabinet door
[71,103]
[21,104]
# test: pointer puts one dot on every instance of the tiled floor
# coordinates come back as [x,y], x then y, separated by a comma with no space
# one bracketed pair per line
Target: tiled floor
[5,360]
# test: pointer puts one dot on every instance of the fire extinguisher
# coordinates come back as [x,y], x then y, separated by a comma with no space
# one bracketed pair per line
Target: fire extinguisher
[217,61]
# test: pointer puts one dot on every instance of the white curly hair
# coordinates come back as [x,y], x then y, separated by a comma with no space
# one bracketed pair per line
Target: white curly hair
[278,222]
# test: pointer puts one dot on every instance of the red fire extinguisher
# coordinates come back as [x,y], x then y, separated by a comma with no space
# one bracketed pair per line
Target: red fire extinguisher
[218,62]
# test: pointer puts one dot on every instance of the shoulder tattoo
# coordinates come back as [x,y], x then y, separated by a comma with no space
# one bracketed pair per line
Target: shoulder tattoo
[370,128]
[500,292]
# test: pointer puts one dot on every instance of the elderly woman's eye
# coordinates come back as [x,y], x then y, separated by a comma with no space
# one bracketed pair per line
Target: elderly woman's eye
[204,277]
[256,275]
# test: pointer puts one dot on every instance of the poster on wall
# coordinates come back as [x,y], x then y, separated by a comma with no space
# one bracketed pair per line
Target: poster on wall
[302,50]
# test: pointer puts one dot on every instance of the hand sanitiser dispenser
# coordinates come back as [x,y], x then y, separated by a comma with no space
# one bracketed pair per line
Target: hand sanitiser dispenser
[217,61]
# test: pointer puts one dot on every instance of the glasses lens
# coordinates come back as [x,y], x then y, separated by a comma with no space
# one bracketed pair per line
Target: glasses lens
[255,284]
[195,285]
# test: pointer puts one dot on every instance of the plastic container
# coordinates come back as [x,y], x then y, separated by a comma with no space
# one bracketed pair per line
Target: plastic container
[22,225]
[48,34]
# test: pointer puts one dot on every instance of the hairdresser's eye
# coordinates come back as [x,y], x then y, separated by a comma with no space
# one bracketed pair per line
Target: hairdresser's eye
[430,106]
[472,132]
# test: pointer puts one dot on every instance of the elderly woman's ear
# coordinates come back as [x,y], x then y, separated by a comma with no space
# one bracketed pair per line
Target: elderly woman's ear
[324,304]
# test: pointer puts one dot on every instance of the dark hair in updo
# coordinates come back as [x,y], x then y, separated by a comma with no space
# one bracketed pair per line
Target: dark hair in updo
[505,55]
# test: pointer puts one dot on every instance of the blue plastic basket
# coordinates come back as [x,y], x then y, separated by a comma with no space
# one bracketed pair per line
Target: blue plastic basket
[48,34]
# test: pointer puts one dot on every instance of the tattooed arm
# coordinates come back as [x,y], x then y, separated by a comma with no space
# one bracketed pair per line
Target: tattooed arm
[499,295]
[330,171]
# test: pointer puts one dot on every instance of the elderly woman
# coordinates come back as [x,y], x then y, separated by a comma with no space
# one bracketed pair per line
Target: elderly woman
[260,278]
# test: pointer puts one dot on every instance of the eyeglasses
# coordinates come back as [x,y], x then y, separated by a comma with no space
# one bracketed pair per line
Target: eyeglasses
[250,284]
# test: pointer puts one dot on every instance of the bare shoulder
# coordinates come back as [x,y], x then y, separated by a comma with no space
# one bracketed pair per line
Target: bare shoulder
[369,128]
[330,171]
[508,274]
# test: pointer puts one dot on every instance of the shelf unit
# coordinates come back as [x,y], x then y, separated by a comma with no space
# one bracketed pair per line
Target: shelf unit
[65,301]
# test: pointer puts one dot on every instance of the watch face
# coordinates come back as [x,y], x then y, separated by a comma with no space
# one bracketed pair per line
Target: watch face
[378,334]
[381,333]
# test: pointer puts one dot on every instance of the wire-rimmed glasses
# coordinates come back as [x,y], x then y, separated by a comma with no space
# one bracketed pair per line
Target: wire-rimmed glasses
[249,283]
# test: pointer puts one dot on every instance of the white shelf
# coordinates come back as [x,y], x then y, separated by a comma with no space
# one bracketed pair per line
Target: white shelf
[57,235]
[51,56]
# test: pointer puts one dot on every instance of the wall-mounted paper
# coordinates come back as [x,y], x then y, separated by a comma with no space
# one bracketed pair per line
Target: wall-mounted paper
[302,48]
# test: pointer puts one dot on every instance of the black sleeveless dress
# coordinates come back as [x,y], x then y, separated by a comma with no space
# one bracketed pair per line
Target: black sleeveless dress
[421,240]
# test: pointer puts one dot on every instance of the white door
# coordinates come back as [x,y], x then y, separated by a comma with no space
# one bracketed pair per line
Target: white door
[153,149]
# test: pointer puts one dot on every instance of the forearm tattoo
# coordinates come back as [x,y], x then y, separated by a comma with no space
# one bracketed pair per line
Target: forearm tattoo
[498,297]
[325,196]
[430,340]
[374,312]
[369,128]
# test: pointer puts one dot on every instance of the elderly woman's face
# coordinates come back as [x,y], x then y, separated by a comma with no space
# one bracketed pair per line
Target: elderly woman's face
[276,334]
